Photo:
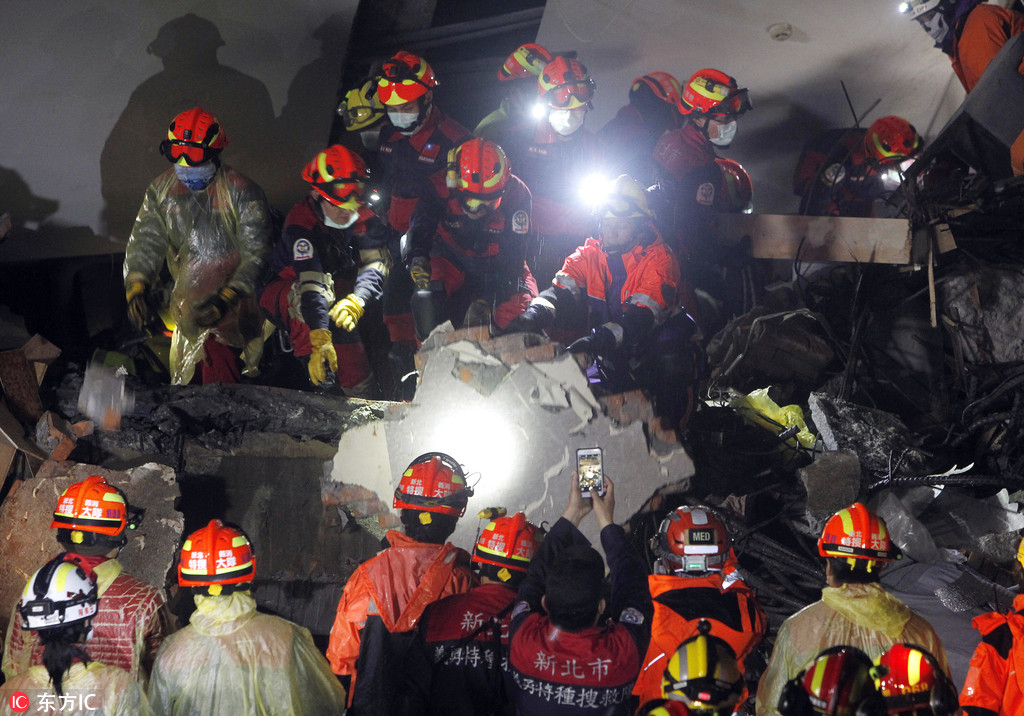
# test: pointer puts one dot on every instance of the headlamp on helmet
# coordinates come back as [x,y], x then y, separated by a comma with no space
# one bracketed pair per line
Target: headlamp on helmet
[692,539]
[60,593]
[339,175]
[433,482]
[713,94]
[565,84]
[193,137]
[478,171]
[525,63]
[891,139]
[361,107]
[96,506]
[405,77]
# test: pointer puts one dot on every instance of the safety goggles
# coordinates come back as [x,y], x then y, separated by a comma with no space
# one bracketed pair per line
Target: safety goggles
[191,153]
[359,116]
[621,206]
[732,106]
[562,96]
[475,206]
[343,194]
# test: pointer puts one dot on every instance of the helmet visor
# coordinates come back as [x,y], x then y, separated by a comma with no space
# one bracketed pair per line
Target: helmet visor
[571,95]
[475,206]
[187,153]
[732,106]
[359,117]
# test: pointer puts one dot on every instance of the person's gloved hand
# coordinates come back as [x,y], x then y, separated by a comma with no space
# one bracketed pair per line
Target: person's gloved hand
[209,312]
[347,312]
[323,351]
[138,309]
[419,270]
[533,320]
[600,342]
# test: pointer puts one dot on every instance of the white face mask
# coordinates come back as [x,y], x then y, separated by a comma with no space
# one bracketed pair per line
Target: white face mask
[726,133]
[335,225]
[566,121]
[936,27]
[370,138]
[403,120]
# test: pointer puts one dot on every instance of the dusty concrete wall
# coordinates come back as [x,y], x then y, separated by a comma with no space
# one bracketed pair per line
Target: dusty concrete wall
[89,87]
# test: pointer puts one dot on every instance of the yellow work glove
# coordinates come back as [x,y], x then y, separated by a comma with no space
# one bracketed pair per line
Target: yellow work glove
[347,312]
[209,312]
[138,311]
[419,270]
[323,350]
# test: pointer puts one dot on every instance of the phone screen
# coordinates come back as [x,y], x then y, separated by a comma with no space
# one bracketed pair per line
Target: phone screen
[591,471]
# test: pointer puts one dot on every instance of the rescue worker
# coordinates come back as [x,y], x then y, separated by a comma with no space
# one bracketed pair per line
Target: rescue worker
[841,172]
[838,682]
[565,658]
[413,151]
[330,263]
[629,137]
[362,112]
[992,686]
[478,260]
[695,580]
[58,605]
[93,520]
[385,597]
[854,609]
[911,682]
[554,156]
[212,228]
[518,77]
[625,281]
[232,659]
[459,660]
[703,674]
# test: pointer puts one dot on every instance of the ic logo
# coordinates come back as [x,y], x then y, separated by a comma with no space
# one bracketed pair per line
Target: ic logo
[19,702]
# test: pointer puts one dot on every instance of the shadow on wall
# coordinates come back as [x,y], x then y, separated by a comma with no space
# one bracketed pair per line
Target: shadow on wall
[269,150]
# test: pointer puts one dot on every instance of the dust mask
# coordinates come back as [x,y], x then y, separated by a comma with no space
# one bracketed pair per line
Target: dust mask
[936,27]
[335,225]
[403,120]
[196,178]
[565,121]
[726,133]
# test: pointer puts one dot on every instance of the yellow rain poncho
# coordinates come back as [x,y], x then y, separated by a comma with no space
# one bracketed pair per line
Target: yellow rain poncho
[860,615]
[210,239]
[93,690]
[233,661]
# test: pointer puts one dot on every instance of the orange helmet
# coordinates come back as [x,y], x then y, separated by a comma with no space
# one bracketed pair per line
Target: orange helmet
[508,542]
[93,505]
[693,539]
[857,533]
[215,556]
[891,139]
[663,85]
[910,680]
[433,482]
[838,682]
[715,94]
[525,63]
[739,190]
[566,84]
[405,77]
[194,136]
[339,175]
[478,170]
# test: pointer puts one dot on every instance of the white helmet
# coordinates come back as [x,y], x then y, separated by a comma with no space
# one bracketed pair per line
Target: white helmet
[915,8]
[60,593]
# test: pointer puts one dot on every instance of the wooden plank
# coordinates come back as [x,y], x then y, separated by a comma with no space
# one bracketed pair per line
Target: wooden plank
[819,238]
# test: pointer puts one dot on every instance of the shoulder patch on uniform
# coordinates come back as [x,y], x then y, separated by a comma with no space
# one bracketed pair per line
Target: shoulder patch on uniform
[706,194]
[631,616]
[302,250]
[521,222]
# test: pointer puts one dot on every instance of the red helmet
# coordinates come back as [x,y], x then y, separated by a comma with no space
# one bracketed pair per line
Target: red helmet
[433,482]
[339,175]
[891,139]
[739,191]
[508,542]
[405,77]
[526,63]
[693,539]
[566,84]
[663,707]
[910,680]
[858,533]
[195,136]
[703,673]
[214,556]
[714,93]
[93,505]
[663,85]
[838,682]
[478,169]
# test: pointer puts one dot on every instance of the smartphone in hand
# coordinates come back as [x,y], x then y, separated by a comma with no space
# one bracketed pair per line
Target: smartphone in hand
[590,471]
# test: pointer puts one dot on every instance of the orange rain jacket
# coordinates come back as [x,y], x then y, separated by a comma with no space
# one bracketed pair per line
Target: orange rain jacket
[995,680]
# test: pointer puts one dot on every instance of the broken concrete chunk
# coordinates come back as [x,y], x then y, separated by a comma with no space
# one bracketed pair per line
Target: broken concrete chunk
[981,308]
[55,435]
[832,482]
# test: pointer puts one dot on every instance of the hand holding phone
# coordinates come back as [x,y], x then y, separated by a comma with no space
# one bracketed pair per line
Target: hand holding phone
[590,471]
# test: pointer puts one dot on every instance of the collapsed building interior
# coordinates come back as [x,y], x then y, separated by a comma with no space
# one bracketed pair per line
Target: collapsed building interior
[876,360]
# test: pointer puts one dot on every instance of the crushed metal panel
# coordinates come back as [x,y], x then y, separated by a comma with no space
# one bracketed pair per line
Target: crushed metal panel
[515,429]
[820,238]
[27,542]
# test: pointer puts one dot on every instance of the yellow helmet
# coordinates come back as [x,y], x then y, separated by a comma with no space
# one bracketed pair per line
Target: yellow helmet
[626,200]
[361,107]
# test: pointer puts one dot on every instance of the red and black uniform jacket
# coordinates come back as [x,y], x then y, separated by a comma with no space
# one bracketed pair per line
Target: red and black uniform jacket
[414,171]
[834,178]
[458,663]
[308,250]
[590,671]
[995,680]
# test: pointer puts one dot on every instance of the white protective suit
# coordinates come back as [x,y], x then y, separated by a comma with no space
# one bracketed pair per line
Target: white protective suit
[233,661]
[94,690]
